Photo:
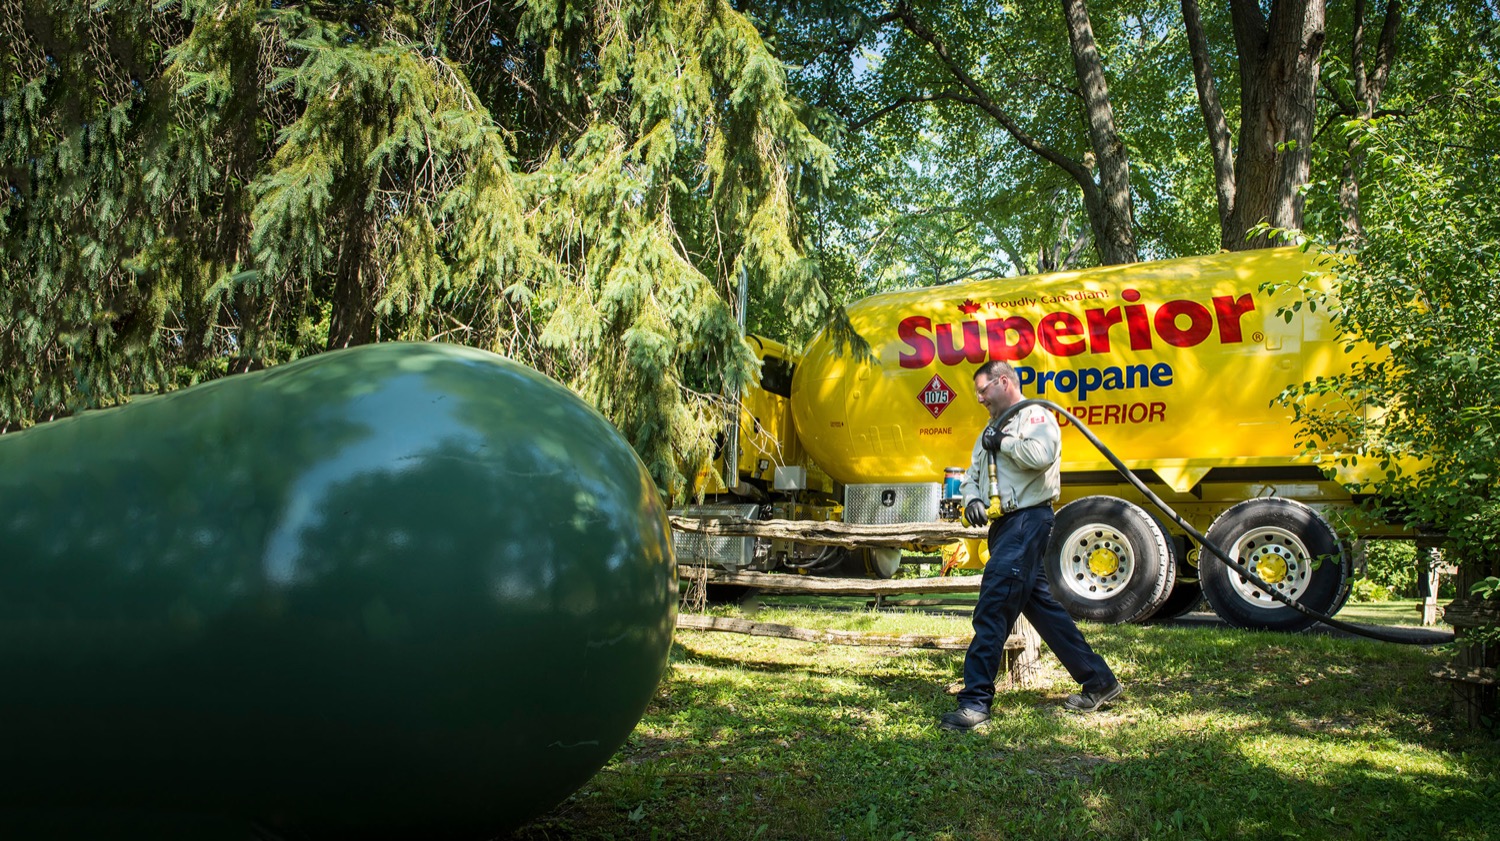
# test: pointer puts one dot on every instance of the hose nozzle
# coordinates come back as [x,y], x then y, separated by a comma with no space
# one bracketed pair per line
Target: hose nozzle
[995,509]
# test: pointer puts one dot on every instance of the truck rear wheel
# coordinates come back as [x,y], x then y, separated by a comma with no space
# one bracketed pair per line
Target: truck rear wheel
[870,562]
[1109,561]
[1187,592]
[1185,597]
[1291,548]
[882,562]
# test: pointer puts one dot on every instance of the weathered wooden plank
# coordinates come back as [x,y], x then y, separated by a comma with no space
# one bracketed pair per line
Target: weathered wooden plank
[792,583]
[927,603]
[1471,613]
[699,622]
[1473,669]
[826,532]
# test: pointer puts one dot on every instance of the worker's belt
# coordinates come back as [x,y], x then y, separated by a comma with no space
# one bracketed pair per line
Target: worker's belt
[1047,505]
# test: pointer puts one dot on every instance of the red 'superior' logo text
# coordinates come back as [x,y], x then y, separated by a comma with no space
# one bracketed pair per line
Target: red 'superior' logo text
[1180,323]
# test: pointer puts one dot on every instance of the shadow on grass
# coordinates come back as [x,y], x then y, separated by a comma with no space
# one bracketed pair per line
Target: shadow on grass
[1221,735]
[1412,634]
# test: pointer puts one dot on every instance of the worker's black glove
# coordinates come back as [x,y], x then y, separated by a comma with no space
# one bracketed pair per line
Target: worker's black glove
[974,513]
[991,438]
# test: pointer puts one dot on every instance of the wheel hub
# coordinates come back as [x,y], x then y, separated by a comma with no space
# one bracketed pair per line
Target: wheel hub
[1097,562]
[1103,561]
[1278,558]
[1271,566]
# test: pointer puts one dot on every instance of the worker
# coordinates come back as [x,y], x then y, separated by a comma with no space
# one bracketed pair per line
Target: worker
[1026,454]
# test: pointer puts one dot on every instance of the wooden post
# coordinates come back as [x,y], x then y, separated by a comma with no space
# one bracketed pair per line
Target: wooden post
[1474,668]
[1429,558]
[1023,661]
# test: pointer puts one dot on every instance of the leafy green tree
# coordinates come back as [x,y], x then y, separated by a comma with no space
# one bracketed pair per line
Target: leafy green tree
[1057,119]
[1390,571]
[205,186]
[1422,286]
[1369,71]
[1008,111]
[1260,176]
[979,82]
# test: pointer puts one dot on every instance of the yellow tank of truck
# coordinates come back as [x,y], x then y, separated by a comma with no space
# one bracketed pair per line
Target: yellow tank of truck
[1175,364]
[768,442]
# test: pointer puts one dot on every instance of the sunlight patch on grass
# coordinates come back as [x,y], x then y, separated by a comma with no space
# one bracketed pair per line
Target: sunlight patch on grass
[1221,734]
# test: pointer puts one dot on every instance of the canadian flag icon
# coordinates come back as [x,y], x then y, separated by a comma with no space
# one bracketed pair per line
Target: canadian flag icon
[936,395]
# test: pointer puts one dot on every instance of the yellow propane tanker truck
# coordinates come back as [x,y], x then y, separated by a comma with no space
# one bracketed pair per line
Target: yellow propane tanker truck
[1174,365]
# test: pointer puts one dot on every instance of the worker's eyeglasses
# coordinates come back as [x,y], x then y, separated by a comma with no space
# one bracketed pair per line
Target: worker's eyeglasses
[980,390]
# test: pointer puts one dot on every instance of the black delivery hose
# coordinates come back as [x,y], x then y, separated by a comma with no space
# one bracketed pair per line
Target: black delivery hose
[1202,541]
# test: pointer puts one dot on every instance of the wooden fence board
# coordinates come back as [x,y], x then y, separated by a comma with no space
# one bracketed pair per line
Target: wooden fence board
[826,532]
[699,622]
[814,585]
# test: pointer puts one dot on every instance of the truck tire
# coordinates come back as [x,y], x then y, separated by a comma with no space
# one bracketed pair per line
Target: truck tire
[884,562]
[720,594]
[1185,598]
[1187,592]
[868,562]
[1109,561]
[1291,548]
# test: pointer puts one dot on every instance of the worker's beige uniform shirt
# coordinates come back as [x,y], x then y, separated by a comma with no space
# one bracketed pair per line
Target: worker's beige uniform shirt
[1027,467]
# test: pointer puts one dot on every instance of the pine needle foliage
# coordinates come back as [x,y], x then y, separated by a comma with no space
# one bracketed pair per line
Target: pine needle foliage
[197,187]
[77,325]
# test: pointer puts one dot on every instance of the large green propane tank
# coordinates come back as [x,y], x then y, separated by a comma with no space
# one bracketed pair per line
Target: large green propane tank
[401,590]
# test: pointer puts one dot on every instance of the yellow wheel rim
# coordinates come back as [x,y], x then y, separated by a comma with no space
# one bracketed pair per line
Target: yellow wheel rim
[1103,562]
[1271,568]
[1277,557]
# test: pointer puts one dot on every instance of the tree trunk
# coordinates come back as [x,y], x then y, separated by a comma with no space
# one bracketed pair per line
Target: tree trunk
[1279,67]
[352,321]
[1111,212]
[1368,87]
[254,316]
[1213,115]
[198,319]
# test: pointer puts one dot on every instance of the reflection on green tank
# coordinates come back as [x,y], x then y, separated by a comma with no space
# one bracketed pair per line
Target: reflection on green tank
[406,590]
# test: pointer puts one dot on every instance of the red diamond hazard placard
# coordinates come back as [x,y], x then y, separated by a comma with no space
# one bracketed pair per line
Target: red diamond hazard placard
[936,395]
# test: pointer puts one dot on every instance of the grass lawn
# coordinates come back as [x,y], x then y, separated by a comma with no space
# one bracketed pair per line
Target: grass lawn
[1405,612]
[1221,734]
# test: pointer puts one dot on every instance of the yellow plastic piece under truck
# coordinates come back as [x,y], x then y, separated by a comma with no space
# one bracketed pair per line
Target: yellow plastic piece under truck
[1173,364]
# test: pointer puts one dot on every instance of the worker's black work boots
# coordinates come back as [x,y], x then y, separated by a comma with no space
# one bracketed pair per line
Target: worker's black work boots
[1087,702]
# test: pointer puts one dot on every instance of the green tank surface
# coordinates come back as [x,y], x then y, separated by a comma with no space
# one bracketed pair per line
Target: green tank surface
[402,590]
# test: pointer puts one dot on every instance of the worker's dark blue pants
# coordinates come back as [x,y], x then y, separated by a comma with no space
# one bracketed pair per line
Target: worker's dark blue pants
[1015,583]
